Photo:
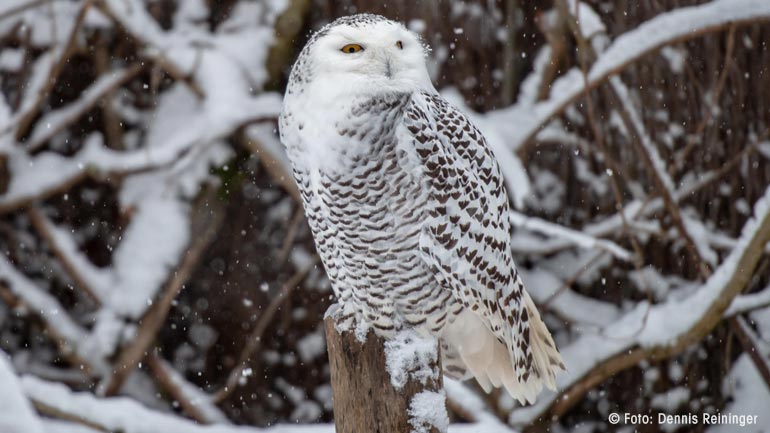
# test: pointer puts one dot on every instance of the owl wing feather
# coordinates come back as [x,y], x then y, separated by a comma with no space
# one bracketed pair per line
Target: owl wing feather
[466,242]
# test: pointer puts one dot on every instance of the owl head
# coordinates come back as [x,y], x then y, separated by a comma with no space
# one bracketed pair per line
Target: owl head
[363,53]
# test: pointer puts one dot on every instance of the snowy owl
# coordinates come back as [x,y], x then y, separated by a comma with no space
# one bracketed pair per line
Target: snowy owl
[407,206]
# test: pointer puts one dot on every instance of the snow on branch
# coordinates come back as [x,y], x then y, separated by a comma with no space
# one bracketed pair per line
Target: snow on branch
[657,331]
[578,238]
[17,414]
[55,121]
[580,310]
[71,337]
[520,122]
[124,414]
[638,210]
[92,280]
[128,416]
[749,302]
[48,173]
[649,154]
[53,64]
[193,400]
[462,399]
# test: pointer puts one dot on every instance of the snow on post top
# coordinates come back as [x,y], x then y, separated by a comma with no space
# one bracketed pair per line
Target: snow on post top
[411,356]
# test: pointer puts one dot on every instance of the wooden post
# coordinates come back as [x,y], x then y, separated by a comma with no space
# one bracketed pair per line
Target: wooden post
[385,386]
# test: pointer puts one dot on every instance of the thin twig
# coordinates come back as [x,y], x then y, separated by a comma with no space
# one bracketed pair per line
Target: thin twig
[254,340]
[43,226]
[165,377]
[708,110]
[613,63]
[748,342]
[113,124]
[66,348]
[291,235]
[26,118]
[155,54]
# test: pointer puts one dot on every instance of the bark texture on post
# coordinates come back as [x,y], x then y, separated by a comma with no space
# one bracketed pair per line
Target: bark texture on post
[365,376]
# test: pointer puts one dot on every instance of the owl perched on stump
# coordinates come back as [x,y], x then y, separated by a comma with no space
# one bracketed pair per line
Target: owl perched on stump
[408,207]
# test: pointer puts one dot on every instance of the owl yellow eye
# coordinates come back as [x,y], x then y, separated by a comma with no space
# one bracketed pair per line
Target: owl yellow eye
[352,48]
[400,45]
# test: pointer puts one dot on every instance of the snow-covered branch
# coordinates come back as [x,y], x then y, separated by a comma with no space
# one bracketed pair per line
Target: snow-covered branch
[555,231]
[657,331]
[520,122]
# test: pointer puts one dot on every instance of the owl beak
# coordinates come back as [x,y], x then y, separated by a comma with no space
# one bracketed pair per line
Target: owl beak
[388,69]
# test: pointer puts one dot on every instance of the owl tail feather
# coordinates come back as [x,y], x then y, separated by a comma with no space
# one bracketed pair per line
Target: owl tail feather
[470,349]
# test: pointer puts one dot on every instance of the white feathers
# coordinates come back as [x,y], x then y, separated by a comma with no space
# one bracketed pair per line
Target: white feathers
[491,363]
[408,206]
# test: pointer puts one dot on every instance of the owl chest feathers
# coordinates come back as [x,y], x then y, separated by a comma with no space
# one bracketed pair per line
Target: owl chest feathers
[347,137]
[367,197]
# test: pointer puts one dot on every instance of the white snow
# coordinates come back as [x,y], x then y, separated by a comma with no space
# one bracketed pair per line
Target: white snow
[646,325]
[578,238]
[671,400]
[56,120]
[409,356]
[96,278]
[51,311]
[676,58]
[581,311]
[195,395]
[427,410]
[311,346]
[750,396]
[530,87]
[467,399]
[590,23]
[521,121]
[748,302]
[699,234]
[11,59]
[126,415]
[16,413]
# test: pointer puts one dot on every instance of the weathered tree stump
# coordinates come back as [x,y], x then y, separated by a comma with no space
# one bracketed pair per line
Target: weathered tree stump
[385,386]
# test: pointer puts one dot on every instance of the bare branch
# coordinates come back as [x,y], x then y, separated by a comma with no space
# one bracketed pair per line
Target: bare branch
[45,228]
[656,169]
[263,143]
[193,401]
[25,118]
[750,345]
[121,414]
[134,20]
[254,340]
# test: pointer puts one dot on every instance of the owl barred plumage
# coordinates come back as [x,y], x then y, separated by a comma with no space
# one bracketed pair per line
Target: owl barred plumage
[408,207]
